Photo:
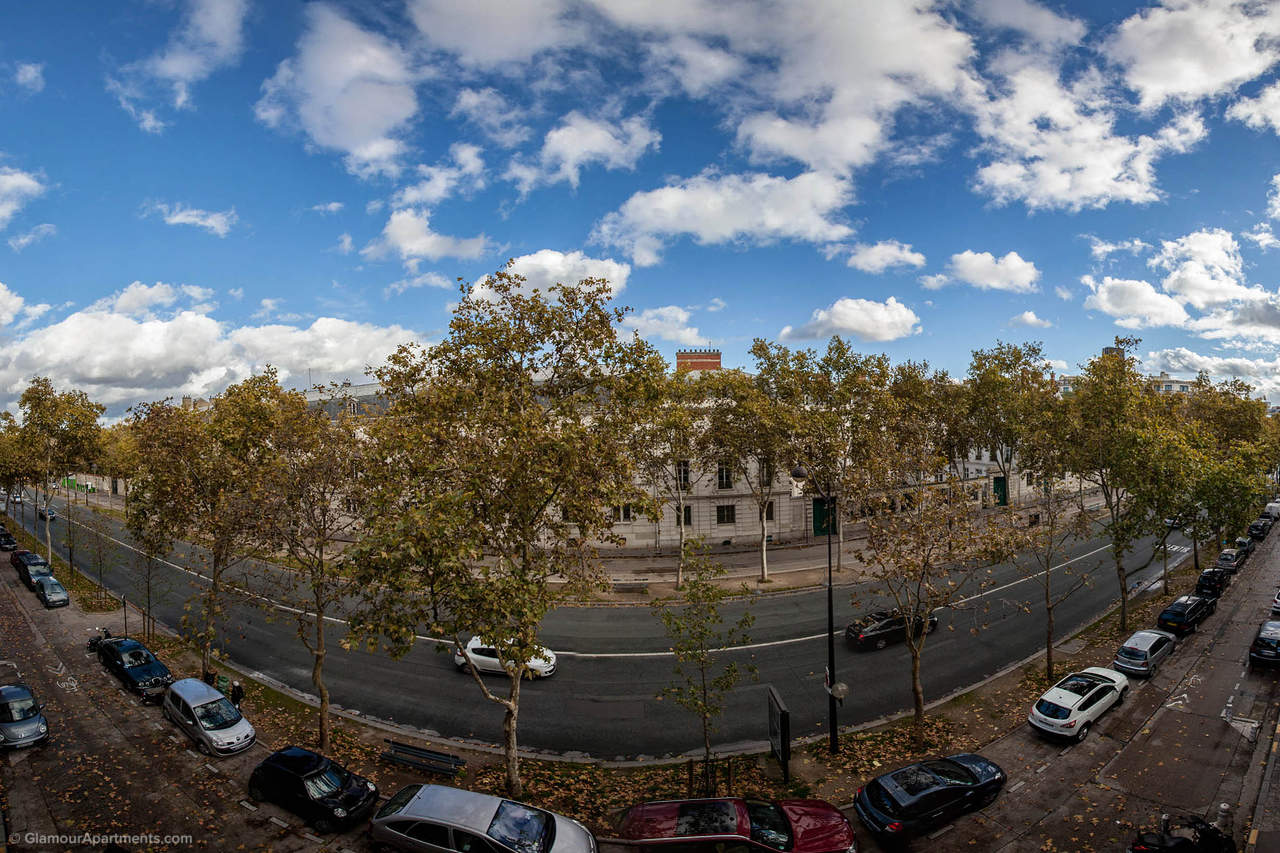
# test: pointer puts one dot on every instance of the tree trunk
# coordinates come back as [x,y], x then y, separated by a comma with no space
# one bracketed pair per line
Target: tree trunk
[514,788]
[1124,592]
[1166,564]
[317,678]
[764,547]
[1195,550]
[917,693]
[680,558]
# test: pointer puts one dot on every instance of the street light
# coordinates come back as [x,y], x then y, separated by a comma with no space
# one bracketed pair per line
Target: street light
[836,691]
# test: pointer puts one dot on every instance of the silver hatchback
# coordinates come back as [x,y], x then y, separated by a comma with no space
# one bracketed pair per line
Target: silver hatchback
[207,717]
[1143,653]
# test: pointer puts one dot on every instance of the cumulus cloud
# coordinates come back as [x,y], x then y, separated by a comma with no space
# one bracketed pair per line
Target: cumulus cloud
[1185,50]
[1273,198]
[547,267]
[11,304]
[1262,373]
[30,76]
[138,299]
[16,189]
[408,234]
[1263,236]
[716,209]
[878,257]
[464,173]
[495,116]
[935,281]
[1134,304]
[716,304]
[210,37]
[580,141]
[987,272]
[862,318]
[327,208]
[35,235]
[1259,113]
[1063,293]
[427,279]
[670,323]
[1205,269]
[345,244]
[492,33]
[217,222]
[698,67]
[1101,249]
[1029,319]
[347,89]
[1036,22]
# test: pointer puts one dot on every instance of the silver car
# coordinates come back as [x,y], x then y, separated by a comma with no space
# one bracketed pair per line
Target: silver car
[207,717]
[1143,653]
[21,723]
[51,592]
[440,819]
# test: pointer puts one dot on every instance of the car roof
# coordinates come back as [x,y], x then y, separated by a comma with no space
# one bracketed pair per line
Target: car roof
[1270,629]
[1228,552]
[193,691]
[684,819]
[296,760]
[465,809]
[124,644]
[1145,639]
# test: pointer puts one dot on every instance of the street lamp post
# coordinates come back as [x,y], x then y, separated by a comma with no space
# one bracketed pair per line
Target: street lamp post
[836,691]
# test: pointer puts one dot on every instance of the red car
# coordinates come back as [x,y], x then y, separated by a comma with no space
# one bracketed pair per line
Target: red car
[693,826]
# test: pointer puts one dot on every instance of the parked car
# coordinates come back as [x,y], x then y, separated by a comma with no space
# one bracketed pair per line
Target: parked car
[1275,604]
[15,498]
[51,592]
[1265,648]
[326,795]
[1272,510]
[437,817]
[882,627]
[21,720]
[797,826]
[30,566]
[484,657]
[207,717]
[135,666]
[1212,583]
[1245,544]
[1185,613]
[47,512]
[1143,653]
[919,797]
[7,542]
[1070,707]
[1231,560]
[1260,528]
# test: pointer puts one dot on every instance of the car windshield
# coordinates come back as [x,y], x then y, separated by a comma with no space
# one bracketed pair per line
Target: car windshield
[522,828]
[769,826]
[19,709]
[400,800]
[54,588]
[218,714]
[1045,708]
[1265,642]
[137,657]
[328,781]
[952,772]
[1130,653]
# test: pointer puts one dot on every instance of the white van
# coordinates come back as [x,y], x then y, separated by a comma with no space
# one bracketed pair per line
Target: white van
[1272,511]
[207,717]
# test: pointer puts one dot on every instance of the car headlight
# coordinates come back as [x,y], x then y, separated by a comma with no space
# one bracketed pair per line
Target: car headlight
[1,737]
[44,727]
[339,812]
[370,785]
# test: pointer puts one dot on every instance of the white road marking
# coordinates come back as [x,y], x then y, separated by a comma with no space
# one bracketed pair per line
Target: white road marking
[248,805]
[278,822]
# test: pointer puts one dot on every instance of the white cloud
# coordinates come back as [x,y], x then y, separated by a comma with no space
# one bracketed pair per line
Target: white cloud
[11,305]
[1242,323]
[1029,318]
[16,189]
[1134,304]
[1261,112]
[214,221]
[35,235]
[236,293]
[491,33]
[1063,293]
[880,256]
[408,233]
[987,272]
[30,76]
[138,299]
[428,279]
[496,117]
[345,244]
[211,37]
[547,267]
[698,67]
[936,281]
[1036,22]
[1273,198]
[1055,146]
[1184,50]
[466,174]
[1056,364]
[671,323]
[862,318]
[1205,269]
[269,309]
[580,141]
[1100,249]
[717,209]
[327,207]
[348,89]
[1263,236]
[716,304]
[1264,374]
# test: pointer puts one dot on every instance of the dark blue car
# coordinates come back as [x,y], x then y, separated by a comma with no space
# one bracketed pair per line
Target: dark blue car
[920,797]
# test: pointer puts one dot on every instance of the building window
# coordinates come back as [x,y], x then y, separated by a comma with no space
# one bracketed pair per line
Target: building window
[622,513]
[1029,483]
[724,476]
[688,516]
[682,475]
[768,511]
[769,474]
[725,514]
[1182,388]
[351,506]
[353,408]
[966,473]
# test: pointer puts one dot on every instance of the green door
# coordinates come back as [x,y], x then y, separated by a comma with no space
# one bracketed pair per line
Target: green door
[1001,488]
[820,519]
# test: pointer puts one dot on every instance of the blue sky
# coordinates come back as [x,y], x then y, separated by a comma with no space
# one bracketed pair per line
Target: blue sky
[190,190]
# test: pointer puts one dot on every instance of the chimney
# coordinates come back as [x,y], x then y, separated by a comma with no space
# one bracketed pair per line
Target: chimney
[697,359]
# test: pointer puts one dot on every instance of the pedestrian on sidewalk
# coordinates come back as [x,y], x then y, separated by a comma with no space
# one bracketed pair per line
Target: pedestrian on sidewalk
[237,694]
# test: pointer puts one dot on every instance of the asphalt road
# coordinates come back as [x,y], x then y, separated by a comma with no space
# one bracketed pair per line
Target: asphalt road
[613,663]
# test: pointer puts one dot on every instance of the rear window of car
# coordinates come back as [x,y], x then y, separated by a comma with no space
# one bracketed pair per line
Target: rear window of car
[1173,614]
[1052,710]
[522,828]
[1130,653]
[400,800]
[769,826]
[880,798]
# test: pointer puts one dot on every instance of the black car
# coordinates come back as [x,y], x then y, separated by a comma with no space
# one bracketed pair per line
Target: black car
[1231,559]
[322,793]
[1260,528]
[922,796]
[7,542]
[1212,583]
[1186,613]
[135,666]
[1266,645]
[30,566]
[1245,544]
[879,629]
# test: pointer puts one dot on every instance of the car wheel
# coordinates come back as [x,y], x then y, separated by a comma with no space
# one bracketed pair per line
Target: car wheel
[256,793]
[323,826]
[988,799]
[203,747]
[881,643]
[1123,695]
[1083,733]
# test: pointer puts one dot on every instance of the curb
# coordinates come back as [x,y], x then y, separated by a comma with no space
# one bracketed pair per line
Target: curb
[1264,789]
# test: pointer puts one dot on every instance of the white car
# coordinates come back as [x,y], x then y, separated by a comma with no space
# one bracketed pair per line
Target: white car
[1070,707]
[484,658]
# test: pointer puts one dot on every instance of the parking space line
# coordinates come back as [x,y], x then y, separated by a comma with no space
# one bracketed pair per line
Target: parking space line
[278,822]
[311,837]
[1013,788]
[248,805]
[211,768]
[1042,768]
[944,829]
[192,754]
